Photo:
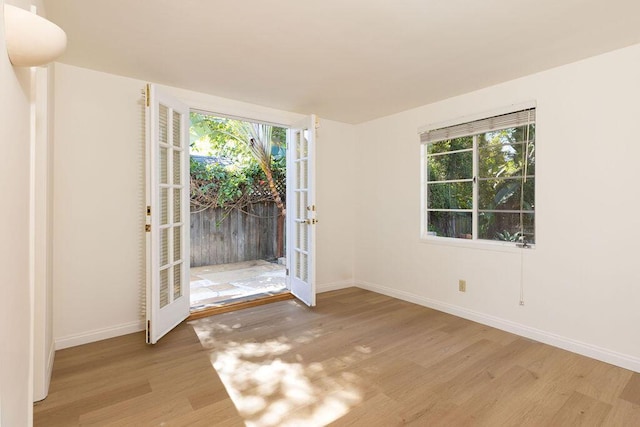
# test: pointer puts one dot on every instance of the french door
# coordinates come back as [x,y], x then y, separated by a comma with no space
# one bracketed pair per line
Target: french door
[301,210]
[167,225]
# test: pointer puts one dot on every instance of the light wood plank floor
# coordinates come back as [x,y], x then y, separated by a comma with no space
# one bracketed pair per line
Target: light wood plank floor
[358,358]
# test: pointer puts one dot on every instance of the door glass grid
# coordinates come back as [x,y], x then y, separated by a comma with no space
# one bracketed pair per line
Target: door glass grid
[164,206]
[170,204]
[177,155]
[300,210]
[177,205]
[164,287]
[302,205]
[177,243]
[304,240]
[303,274]
[163,166]
[164,246]
[164,124]
[303,146]
[302,173]
[177,281]
[177,129]
[299,227]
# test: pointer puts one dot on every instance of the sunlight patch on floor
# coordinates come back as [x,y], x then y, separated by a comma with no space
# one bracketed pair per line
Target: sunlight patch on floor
[271,385]
[274,392]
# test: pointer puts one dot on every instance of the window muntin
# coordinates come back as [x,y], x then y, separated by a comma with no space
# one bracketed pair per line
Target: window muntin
[481,186]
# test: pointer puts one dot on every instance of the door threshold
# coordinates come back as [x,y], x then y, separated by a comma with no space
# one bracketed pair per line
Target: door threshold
[206,312]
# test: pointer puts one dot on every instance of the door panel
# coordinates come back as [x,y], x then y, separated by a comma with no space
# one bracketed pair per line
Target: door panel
[301,210]
[167,160]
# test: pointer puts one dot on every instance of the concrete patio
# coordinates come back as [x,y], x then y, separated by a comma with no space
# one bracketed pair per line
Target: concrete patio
[216,285]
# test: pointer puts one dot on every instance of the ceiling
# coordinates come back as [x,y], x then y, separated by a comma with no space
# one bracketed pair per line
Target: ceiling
[346,60]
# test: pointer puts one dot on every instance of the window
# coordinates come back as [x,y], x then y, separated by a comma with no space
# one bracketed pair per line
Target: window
[479,179]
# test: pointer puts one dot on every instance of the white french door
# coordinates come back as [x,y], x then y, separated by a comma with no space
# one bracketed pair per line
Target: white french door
[167,191]
[301,210]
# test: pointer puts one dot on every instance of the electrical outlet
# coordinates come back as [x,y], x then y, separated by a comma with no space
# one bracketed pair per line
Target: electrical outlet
[462,285]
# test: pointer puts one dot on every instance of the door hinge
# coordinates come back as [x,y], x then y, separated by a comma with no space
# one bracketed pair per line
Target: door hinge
[287,272]
[148,210]
[148,331]
[147,227]
[148,95]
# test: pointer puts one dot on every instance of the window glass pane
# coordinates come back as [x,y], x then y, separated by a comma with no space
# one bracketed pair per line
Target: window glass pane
[498,157]
[505,226]
[504,194]
[446,167]
[509,135]
[450,224]
[463,143]
[450,195]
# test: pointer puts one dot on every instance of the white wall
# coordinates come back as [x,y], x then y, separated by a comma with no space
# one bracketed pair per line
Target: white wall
[98,205]
[16,374]
[335,175]
[99,200]
[581,282]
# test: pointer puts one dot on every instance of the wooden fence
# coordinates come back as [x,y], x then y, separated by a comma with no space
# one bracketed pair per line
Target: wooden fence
[219,236]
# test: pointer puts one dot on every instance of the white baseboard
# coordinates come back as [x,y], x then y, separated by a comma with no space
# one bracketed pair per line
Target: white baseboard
[98,334]
[585,349]
[128,328]
[334,286]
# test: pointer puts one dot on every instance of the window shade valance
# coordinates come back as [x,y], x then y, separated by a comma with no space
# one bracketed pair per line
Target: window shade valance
[503,121]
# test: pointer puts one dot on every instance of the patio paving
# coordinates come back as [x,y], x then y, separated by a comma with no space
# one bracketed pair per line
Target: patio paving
[215,285]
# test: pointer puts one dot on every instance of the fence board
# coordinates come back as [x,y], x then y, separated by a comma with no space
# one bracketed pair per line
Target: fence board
[218,238]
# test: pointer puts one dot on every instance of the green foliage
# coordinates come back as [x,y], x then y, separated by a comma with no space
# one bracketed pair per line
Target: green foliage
[506,236]
[216,185]
[246,165]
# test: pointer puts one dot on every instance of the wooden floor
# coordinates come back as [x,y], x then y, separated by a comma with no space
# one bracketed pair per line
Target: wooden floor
[358,358]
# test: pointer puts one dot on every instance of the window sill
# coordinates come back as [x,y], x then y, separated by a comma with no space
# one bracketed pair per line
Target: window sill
[486,245]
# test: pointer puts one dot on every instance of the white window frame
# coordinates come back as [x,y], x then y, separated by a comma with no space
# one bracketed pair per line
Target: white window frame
[474,242]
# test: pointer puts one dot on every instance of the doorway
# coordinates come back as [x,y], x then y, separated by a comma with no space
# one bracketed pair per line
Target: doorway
[238,193]
[168,194]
